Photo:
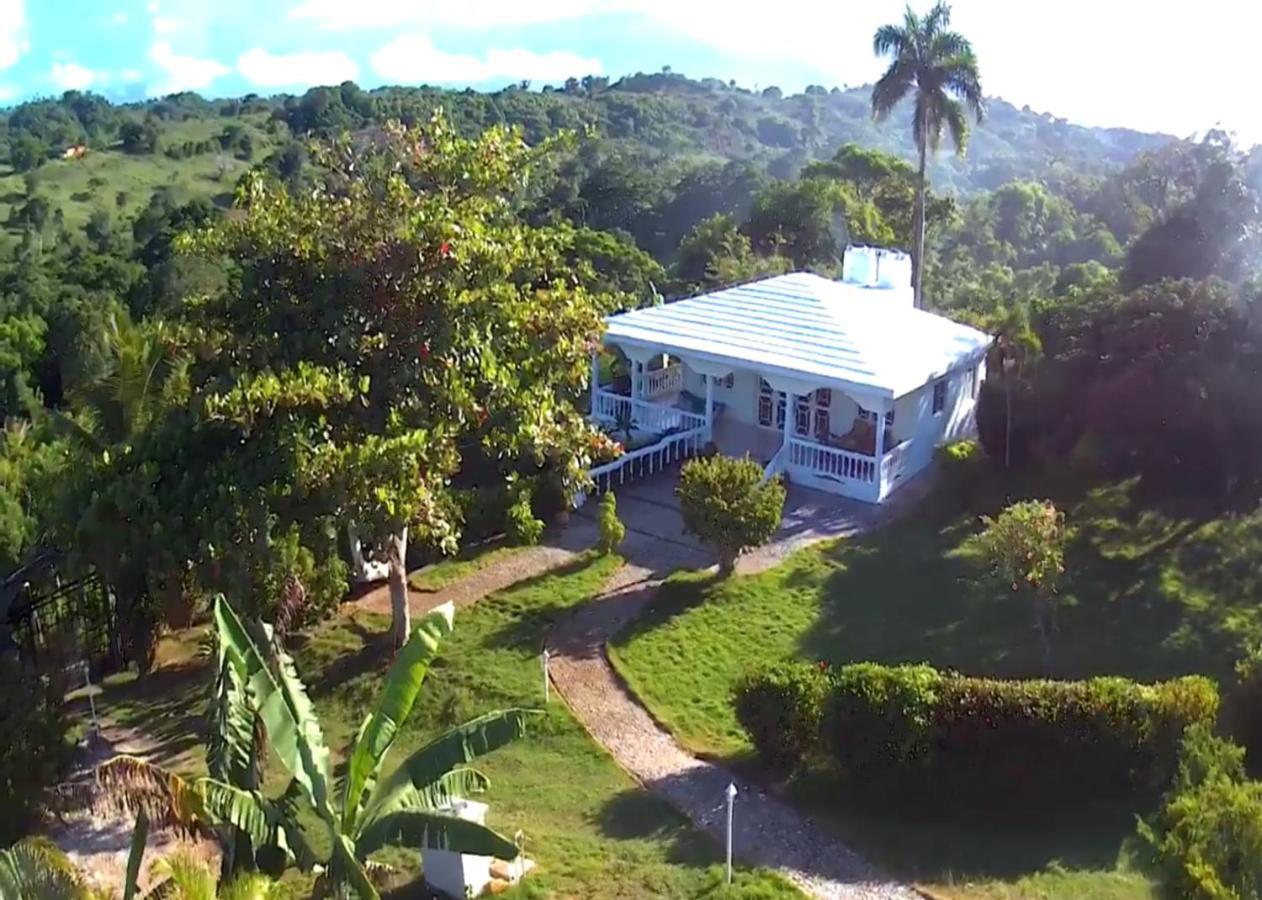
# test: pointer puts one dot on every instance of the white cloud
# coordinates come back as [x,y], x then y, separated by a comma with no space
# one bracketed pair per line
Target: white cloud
[182,73]
[119,18]
[13,40]
[130,76]
[164,25]
[305,67]
[415,58]
[341,15]
[9,91]
[70,76]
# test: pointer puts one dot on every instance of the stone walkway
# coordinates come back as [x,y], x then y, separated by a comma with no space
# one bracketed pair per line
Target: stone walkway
[767,831]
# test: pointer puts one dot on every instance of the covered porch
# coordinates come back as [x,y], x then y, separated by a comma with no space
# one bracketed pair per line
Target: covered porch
[830,441]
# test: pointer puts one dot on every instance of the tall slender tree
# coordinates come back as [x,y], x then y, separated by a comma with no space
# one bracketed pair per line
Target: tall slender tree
[937,68]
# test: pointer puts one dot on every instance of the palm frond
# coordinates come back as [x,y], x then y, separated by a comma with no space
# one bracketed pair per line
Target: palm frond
[419,829]
[131,786]
[36,867]
[249,886]
[889,40]
[188,876]
[957,123]
[232,748]
[958,74]
[937,19]
[893,86]
[946,44]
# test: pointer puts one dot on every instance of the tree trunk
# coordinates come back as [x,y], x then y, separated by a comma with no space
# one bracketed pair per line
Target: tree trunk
[1040,624]
[359,567]
[398,580]
[727,563]
[918,230]
[1007,428]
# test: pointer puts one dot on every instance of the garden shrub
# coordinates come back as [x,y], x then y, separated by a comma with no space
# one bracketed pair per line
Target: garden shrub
[780,708]
[967,740]
[612,531]
[960,467]
[1242,707]
[483,511]
[1205,840]
[727,504]
[521,526]
[33,748]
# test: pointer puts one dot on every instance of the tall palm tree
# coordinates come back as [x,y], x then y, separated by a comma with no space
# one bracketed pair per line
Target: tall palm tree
[937,67]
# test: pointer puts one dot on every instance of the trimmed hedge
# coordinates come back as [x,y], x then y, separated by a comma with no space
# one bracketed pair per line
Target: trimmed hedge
[780,709]
[954,737]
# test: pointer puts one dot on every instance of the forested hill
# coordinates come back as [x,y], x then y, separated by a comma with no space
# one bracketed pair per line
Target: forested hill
[203,144]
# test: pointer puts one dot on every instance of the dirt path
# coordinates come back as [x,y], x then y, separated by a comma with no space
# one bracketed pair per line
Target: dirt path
[766,830]
[499,574]
[99,842]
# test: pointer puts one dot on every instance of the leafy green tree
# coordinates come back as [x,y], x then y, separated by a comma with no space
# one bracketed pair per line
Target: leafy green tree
[139,137]
[938,69]
[811,220]
[728,504]
[384,328]
[1023,548]
[26,153]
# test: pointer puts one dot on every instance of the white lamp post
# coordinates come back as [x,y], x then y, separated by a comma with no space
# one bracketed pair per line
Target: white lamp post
[547,688]
[731,799]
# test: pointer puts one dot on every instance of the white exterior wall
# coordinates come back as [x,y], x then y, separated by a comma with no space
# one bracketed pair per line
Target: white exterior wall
[915,420]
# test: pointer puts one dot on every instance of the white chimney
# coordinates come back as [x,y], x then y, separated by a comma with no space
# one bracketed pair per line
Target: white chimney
[884,273]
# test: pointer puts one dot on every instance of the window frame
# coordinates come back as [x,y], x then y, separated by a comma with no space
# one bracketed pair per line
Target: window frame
[938,404]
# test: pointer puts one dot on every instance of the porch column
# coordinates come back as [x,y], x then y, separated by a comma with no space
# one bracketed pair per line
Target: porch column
[636,368]
[880,449]
[709,407]
[595,379]
[790,410]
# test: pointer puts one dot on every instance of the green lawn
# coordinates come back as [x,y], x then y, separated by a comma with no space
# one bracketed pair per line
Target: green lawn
[448,571]
[593,831]
[1148,595]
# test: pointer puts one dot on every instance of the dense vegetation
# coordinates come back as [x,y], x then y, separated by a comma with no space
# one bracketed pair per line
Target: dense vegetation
[229,330]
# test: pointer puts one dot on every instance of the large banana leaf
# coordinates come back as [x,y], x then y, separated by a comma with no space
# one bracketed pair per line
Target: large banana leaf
[35,867]
[244,810]
[286,711]
[230,750]
[403,683]
[428,765]
[462,782]
[420,829]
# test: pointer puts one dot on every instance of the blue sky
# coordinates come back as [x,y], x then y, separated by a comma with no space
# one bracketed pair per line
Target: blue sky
[1099,62]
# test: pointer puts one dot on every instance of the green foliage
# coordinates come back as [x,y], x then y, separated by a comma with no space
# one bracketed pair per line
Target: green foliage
[33,747]
[612,531]
[35,867]
[781,708]
[1024,545]
[810,221]
[727,504]
[521,526]
[405,808]
[1205,840]
[971,741]
[1242,706]
[961,466]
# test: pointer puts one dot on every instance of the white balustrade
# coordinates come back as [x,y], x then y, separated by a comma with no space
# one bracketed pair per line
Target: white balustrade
[819,459]
[660,382]
[645,416]
[645,460]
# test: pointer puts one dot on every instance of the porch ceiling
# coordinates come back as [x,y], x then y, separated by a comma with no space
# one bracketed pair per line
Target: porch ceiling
[804,326]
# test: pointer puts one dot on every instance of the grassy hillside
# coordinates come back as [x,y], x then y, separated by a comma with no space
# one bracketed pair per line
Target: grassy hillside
[121,183]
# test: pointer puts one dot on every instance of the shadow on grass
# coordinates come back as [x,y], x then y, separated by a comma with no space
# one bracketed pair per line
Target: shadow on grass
[349,664]
[937,842]
[675,597]
[528,621]
[166,707]
[636,814]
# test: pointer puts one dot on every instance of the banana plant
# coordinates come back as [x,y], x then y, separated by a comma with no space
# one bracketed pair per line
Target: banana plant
[411,807]
[36,867]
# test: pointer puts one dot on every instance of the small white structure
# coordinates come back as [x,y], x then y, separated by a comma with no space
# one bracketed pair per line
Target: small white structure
[458,875]
[842,385]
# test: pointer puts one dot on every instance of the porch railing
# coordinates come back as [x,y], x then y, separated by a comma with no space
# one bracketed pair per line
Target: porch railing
[892,464]
[776,465]
[645,416]
[660,382]
[645,461]
[834,462]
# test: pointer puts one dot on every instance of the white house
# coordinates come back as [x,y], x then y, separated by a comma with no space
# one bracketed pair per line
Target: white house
[841,385]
